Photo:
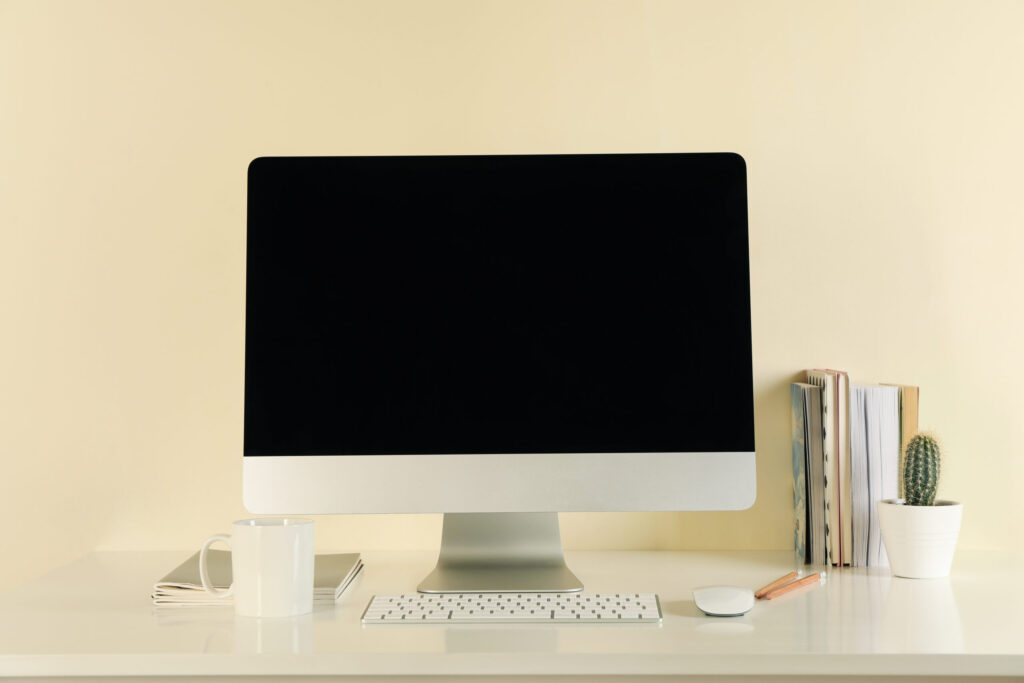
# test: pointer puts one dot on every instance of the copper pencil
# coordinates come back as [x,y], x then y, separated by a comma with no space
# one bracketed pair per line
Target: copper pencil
[782,580]
[793,585]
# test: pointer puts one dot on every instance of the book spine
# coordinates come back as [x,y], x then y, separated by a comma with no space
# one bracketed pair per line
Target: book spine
[813,444]
[830,444]
[800,526]
[859,477]
[909,401]
[845,493]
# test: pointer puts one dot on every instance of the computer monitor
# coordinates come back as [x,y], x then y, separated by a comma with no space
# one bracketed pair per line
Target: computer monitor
[498,338]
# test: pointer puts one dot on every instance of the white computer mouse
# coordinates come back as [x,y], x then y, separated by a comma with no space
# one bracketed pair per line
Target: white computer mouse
[723,601]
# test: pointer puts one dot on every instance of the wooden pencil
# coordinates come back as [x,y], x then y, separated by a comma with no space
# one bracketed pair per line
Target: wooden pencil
[793,585]
[782,580]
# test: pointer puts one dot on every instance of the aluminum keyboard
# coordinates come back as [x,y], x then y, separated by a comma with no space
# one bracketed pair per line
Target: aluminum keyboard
[494,608]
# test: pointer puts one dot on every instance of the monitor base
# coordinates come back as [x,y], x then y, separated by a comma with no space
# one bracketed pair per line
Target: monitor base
[501,552]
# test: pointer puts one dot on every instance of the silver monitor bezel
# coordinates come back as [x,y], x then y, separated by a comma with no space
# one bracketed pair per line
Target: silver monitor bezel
[523,482]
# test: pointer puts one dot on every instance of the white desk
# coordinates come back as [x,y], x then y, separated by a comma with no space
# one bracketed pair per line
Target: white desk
[94,618]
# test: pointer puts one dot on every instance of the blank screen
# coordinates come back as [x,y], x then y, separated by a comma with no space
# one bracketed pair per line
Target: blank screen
[497,304]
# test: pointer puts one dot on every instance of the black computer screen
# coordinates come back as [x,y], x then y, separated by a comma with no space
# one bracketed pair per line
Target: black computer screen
[497,304]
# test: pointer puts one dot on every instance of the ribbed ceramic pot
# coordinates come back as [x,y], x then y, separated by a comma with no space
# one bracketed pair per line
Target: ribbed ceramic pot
[920,539]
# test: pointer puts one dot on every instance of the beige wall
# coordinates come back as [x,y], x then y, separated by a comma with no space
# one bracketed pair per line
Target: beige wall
[884,147]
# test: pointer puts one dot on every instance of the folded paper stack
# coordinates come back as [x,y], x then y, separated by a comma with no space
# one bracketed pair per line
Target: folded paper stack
[332,574]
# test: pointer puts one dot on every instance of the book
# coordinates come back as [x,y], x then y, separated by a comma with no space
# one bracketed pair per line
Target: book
[844,492]
[875,448]
[815,414]
[808,458]
[909,402]
[847,448]
[797,425]
[332,574]
[859,476]
[888,415]
[836,456]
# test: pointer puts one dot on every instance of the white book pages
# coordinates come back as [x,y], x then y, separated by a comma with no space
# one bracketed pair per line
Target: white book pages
[874,473]
[859,476]
[889,426]
[875,447]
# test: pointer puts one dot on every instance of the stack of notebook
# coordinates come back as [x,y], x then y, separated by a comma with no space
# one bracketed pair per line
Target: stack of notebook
[332,574]
[847,441]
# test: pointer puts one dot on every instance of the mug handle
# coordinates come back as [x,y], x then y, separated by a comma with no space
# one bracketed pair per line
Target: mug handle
[204,574]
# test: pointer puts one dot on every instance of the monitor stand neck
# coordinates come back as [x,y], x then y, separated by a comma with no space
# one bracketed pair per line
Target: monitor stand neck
[489,552]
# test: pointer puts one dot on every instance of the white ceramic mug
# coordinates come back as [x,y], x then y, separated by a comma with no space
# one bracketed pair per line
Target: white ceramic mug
[271,566]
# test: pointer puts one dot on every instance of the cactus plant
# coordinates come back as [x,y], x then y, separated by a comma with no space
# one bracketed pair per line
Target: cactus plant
[921,470]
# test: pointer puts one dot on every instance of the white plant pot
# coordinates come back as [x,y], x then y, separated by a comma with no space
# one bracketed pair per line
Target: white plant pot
[920,539]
